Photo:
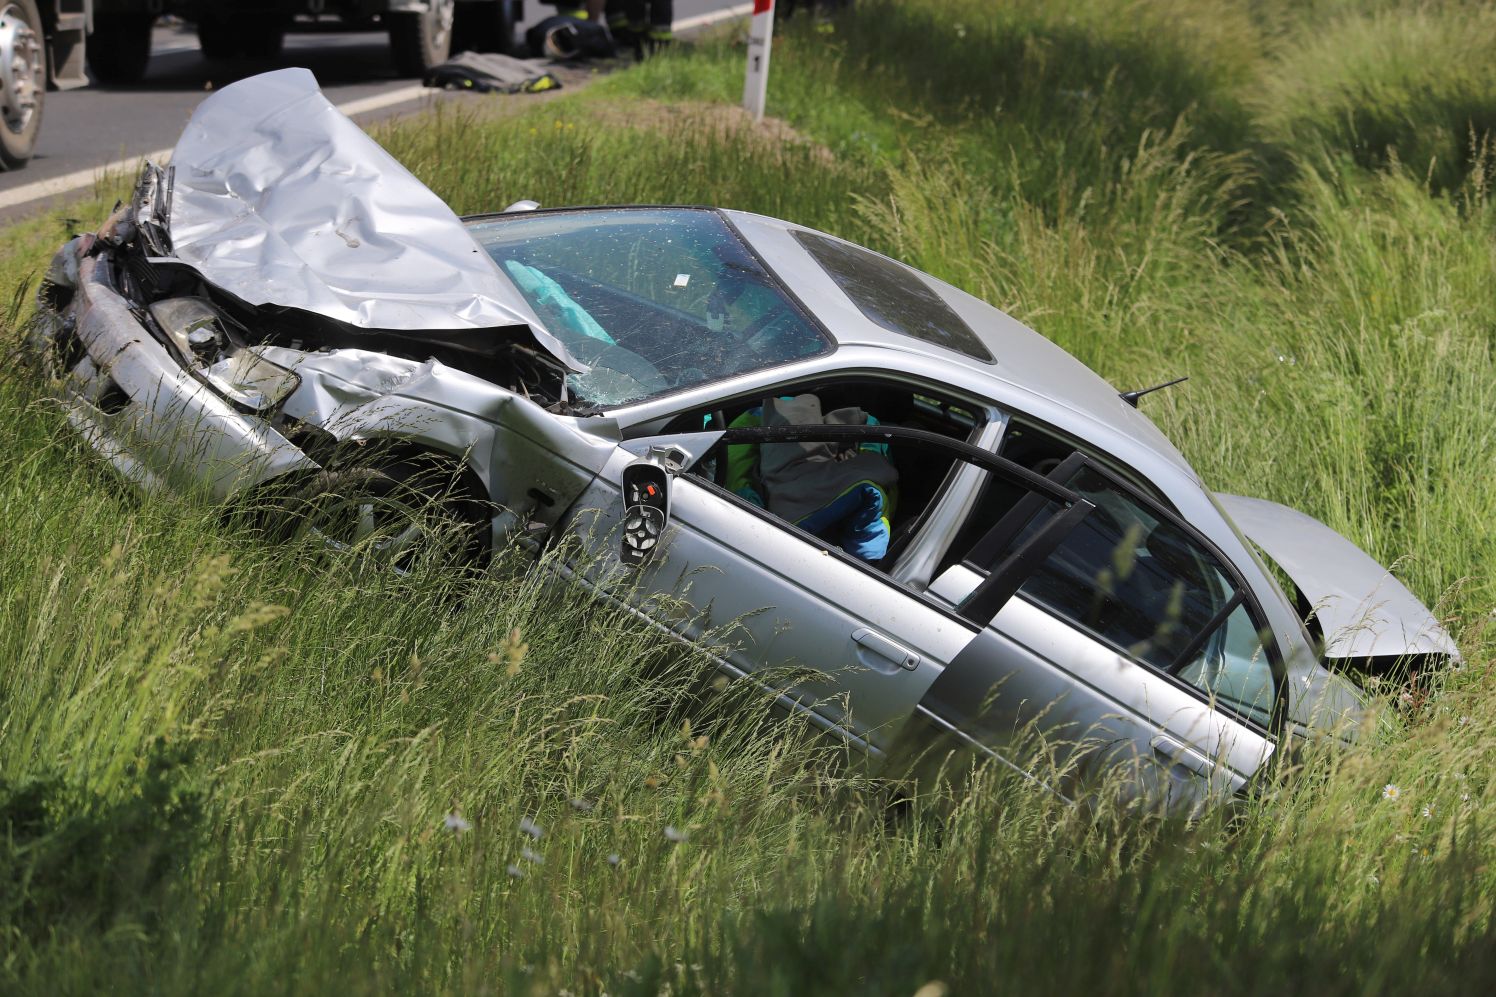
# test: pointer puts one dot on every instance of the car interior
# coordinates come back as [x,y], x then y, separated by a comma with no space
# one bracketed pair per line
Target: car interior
[923,471]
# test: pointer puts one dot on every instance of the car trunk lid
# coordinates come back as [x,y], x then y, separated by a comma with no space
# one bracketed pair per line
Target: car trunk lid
[1364,612]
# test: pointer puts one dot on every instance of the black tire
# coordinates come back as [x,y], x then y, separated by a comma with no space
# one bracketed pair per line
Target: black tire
[422,41]
[119,50]
[264,39]
[215,38]
[401,517]
[241,36]
[485,27]
[23,87]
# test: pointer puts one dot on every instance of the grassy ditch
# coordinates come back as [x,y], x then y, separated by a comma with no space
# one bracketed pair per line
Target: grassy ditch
[227,766]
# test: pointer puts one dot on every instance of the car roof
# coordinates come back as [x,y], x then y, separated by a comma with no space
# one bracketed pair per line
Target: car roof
[1025,360]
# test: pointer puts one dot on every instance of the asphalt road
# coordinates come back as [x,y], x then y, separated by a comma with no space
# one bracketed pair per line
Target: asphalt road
[87,129]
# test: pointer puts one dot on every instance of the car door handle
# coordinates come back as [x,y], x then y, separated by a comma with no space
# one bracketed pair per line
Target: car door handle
[885,648]
[1182,754]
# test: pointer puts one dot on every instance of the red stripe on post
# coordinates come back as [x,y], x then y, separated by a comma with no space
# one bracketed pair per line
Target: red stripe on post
[762,6]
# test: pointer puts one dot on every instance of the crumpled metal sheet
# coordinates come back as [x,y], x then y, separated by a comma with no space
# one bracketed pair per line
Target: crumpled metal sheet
[1364,611]
[280,199]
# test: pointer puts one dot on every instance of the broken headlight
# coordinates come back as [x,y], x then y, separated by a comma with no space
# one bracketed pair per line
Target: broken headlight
[251,382]
[193,325]
[246,379]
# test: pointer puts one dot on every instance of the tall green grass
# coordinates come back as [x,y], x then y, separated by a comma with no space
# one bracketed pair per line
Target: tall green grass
[1410,83]
[227,765]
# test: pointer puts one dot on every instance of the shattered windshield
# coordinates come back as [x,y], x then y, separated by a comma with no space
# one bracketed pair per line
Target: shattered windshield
[654,300]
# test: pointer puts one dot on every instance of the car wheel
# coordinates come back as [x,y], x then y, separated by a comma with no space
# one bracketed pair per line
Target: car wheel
[399,517]
[119,50]
[234,36]
[484,27]
[23,81]
[422,40]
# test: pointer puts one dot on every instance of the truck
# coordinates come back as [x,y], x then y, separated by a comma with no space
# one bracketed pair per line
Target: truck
[41,47]
[45,44]
[423,33]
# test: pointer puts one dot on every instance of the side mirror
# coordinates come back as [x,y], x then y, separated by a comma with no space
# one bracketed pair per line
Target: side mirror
[646,505]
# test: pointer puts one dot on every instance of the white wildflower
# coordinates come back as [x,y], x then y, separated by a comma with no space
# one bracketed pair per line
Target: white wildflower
[454,822]
[514,871]
[614,858]
[1391,792]
[528,826]
[585,806]
[673,833]
[531,856]
[1428,811]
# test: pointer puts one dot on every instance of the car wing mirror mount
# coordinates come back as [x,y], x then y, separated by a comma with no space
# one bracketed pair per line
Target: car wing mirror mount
[646,502]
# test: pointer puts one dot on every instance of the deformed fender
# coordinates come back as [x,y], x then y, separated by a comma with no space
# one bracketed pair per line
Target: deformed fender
[168,419]
[533,463]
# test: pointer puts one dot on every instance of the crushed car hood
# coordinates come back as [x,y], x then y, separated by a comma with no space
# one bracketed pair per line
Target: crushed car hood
[279,199]
[1363,610]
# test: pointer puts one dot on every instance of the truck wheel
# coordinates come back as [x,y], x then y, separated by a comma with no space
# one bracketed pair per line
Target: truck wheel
[485,27]
[265,39]
[423,39]
[23,81]
[120,47]
[234,36]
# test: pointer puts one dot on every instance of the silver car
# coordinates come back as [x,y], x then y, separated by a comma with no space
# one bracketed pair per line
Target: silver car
[824,458]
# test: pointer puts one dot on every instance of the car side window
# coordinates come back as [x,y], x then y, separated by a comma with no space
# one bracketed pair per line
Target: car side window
[866,498]
[1138,581]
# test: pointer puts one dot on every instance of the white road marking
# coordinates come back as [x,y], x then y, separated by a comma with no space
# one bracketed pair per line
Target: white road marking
[77,180]
[26,193]
[702,20]
[382,100]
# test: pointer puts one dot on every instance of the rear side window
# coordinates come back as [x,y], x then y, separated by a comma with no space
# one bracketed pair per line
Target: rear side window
[1139,582]
[893,296]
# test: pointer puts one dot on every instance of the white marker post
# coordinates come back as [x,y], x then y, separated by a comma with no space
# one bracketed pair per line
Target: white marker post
[760,34]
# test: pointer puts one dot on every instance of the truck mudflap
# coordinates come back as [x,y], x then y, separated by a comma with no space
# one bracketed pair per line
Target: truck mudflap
[1364,613]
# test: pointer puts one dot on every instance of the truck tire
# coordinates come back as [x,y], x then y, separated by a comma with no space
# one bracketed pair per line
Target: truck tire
[485,27]
[241,36]
[423,39]
[119,50]
[23,81]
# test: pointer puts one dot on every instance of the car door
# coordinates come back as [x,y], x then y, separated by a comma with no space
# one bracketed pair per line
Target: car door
[833,635]
[1127,646]
[837,637]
